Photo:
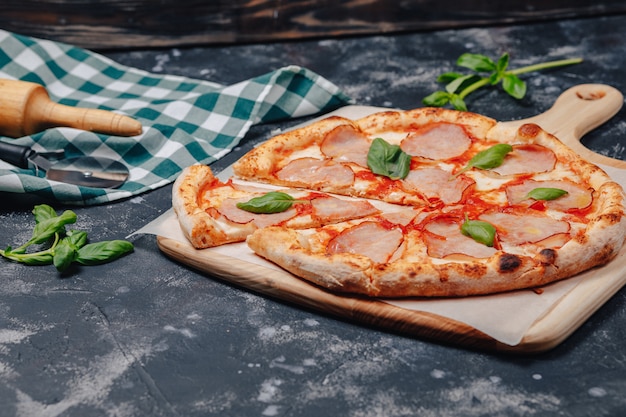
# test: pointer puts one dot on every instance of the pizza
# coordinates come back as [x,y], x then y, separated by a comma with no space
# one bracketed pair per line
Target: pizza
[427,202]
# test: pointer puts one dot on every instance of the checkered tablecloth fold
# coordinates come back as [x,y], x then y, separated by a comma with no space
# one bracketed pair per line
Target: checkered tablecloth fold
[185,120]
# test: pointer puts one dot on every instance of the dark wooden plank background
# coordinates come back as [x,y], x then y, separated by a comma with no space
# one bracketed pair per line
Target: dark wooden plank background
[123,24]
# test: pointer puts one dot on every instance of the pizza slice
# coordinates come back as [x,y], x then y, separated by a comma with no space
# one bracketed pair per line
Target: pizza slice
[347,157]
[210,214]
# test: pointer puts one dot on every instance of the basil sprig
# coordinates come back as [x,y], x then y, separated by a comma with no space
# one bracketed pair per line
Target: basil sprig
[63,247]
[480,231]
[485,72]
[545,193]
[272,202]
[388,160]
[490,158]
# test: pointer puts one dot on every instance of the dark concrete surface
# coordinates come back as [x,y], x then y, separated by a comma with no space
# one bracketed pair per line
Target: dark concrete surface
[146,336]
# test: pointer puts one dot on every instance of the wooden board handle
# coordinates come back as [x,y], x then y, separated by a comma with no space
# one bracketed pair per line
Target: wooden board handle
[26,108]
[576,112]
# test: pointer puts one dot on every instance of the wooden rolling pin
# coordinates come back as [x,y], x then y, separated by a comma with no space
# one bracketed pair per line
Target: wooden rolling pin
[26,108]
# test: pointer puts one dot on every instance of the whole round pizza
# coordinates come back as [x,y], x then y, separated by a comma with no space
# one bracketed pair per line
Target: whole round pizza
[426,202]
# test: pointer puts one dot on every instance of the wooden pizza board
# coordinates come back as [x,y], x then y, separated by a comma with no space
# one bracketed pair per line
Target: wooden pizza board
[576,112]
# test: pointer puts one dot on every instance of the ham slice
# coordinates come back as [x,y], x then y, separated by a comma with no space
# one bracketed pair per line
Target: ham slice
[444,238]
[436,183]
[527,159]
[441,141]
[335,209]
[516,229]
[229,209]
[403,217]
[577,197]
[368,239]
[346,144]
[311,171]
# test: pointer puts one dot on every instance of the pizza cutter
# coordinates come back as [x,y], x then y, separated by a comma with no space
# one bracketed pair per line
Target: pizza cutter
[88,171]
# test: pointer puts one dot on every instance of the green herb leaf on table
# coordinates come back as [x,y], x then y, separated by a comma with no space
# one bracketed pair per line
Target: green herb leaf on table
[486,72]
[476,62]
[63,247]
[43,212]
[480,231]
[388,160]
[546,193]
[272,202]
[64,254]
[46,228]
[102,252]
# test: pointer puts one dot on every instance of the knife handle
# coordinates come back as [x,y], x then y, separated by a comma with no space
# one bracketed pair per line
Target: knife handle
[15,154]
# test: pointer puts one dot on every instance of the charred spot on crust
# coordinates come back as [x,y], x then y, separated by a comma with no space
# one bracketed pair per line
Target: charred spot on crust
[509,262]
[529,130]
[547,256]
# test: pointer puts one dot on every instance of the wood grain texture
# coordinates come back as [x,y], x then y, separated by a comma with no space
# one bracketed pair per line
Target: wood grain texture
[123,24]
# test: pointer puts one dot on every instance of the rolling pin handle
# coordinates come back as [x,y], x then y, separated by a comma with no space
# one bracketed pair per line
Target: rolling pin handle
[15,154]
[93,120]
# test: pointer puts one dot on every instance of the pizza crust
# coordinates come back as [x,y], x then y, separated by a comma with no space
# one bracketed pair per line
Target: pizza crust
[201,229]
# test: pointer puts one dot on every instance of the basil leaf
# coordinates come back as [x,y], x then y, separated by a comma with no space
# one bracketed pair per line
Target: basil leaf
[447,77]
[43,212]
[436,99]
[103,252]
[491,157]
[64,254]
[514,86]
[456,84]
[542,193]
[48,227]
[388,160]
[77,238]
[272,202]
[18,251]
[495,78]
[476,62]
[480,231]
[458,103]
[503,63]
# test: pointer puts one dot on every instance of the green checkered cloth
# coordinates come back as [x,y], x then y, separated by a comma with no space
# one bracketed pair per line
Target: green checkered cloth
[185,121]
